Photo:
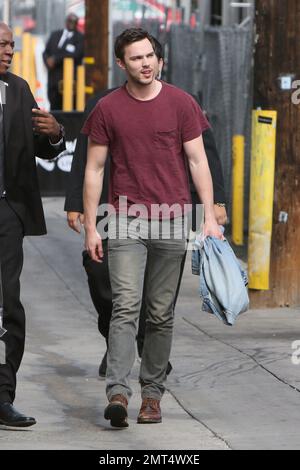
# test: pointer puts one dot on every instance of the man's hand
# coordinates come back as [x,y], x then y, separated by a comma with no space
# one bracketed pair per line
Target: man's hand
[45,123]
[212,229]
[75,221]
[93,245]
[220,214]
[50,61]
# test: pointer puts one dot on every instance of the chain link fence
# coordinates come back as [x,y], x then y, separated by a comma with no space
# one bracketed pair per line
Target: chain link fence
[214,65]
[227,95]
[36,16]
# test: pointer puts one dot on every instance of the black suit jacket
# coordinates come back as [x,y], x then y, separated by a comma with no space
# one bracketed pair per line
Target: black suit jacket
[74,198]
[59,54]
[20,147]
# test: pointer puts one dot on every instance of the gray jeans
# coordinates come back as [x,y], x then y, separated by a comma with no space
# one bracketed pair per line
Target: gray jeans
[132,261]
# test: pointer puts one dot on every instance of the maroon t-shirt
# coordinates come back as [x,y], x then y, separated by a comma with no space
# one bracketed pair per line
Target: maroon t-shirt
[145,139]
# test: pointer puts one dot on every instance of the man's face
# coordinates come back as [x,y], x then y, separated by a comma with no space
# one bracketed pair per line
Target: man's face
[140,62]
[71,22]
[6,49]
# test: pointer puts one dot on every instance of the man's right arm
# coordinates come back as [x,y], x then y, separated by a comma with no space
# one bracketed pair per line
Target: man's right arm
[74,199]
[48,53]
[74,196]
[93,183]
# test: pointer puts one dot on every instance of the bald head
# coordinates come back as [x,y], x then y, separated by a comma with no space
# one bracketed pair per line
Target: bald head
[4,27]
[71,22]
[6,47]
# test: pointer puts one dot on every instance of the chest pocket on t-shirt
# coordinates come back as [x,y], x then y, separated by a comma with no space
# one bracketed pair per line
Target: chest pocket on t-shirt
[166,139]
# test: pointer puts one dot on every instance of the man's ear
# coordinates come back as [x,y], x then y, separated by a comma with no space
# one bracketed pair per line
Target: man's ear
[120,64]
[160,67]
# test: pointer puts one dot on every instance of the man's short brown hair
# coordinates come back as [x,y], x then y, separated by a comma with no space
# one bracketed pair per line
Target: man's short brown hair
[129,36]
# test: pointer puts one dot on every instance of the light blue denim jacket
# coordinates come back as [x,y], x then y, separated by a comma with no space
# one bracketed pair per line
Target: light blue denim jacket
[222,281]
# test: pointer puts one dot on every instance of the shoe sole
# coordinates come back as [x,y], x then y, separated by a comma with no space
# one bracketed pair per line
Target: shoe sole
[148,421]
[117,415]
[18,424]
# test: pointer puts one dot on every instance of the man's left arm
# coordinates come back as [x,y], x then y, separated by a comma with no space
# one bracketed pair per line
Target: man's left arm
[215,168]
[201,176]
[49,135]
[79,51]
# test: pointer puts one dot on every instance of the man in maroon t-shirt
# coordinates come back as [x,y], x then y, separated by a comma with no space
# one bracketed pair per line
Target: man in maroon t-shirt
[153,130]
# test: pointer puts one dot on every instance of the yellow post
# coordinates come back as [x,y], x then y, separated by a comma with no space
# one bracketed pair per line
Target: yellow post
[80,88]
[89,90]
[17,31]
[68,80]
[26,57]
[16,67]
[89,60]
[33,78]
[261,197]
[238,155]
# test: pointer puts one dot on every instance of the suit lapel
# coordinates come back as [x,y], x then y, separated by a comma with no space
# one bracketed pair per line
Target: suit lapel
[14,134]
[8,108]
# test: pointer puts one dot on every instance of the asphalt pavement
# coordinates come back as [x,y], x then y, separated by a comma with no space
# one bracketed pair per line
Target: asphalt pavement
[230,388]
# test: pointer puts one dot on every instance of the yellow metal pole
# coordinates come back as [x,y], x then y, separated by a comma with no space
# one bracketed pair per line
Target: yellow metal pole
[16,67]
[80,88]
[17,31]
[89,60]
[17,64]
[238,155]
[89,90]
[26,56]
[68,80]
[261,197]
[33,78]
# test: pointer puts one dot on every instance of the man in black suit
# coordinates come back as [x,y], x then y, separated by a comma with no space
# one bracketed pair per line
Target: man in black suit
[25,132]
[63,43]
[97,274]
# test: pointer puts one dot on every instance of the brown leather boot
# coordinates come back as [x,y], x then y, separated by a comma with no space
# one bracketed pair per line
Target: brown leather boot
[116,411]
[150,411]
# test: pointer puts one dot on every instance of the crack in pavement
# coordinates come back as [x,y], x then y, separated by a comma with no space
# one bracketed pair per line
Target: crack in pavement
[244,353]
[214,433]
